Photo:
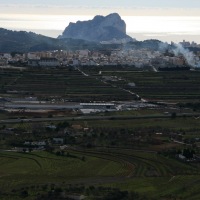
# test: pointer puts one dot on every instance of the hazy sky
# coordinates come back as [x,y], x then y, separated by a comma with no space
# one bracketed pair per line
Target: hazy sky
[124,7]
[163,19]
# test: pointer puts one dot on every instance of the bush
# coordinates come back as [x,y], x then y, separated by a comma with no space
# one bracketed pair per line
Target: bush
[24,194]
[173,115]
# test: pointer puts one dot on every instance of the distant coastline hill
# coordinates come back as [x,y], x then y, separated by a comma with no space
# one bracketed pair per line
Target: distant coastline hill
[98,29]
[89,35]
[22,41]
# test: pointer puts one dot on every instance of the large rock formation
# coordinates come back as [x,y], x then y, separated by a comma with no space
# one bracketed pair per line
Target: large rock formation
[98,29]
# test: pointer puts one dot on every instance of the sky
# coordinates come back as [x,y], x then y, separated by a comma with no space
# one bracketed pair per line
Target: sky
[167,20]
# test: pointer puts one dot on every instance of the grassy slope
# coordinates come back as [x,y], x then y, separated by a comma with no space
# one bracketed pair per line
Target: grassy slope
[153,175]
[44,166]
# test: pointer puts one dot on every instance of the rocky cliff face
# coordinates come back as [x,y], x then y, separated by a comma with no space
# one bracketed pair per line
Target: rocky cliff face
[98,29]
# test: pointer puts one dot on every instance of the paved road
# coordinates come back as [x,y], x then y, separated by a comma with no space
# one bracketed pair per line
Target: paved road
[90,117]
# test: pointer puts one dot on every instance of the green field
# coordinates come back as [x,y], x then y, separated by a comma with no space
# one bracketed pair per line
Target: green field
[19,170]
[177,124]
[156,176]
[71,84]
[149,174]
[56,83]
[165,86]
[45,166]
[132,150]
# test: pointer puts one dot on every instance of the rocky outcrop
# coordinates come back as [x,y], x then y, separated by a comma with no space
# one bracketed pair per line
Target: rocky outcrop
[98,29]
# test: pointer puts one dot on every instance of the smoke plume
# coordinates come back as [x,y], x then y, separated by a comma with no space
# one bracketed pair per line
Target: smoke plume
[188,55]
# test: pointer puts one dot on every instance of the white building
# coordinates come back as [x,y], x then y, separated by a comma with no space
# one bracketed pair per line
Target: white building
[7,56]
[33,56]
[103,106]
[49,62]
[3,62]
[83,53]
[76,62]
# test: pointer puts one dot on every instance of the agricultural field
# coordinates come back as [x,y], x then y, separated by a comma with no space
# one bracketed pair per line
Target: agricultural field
[175,86]
[73,85]
[129,153]
[174,124]
[145,173]
[27,169]
[69,84]
[114,159]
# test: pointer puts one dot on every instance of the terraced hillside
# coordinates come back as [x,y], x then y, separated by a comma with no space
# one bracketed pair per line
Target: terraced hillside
[72,84]
[60,83]
[21,169]
[175,85]
[154,175]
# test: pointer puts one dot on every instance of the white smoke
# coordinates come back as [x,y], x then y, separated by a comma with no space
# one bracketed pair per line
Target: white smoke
[188,55]
[163,47]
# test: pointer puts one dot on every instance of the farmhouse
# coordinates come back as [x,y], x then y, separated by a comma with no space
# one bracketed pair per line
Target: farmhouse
[182,157]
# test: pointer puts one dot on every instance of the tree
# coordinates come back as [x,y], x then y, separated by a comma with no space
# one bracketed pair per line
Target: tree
[62,153]
[24,193]
[83,158]
[49,149]
[188,153]
[173,115]
[58,153]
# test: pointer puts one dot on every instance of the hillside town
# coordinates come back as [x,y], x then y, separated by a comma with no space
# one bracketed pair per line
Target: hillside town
[143,57]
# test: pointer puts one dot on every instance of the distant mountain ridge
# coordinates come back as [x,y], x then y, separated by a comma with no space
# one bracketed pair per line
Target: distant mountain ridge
[22,41]
[98,29]
[114,29]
